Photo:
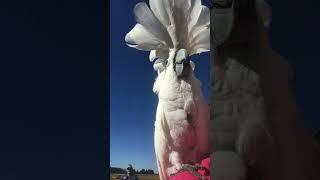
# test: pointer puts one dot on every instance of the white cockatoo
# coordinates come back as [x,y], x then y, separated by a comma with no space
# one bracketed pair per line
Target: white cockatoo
[173,30]
[238,110]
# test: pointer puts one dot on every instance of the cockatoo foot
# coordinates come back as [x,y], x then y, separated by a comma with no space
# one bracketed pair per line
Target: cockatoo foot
[174,169]
[193,169]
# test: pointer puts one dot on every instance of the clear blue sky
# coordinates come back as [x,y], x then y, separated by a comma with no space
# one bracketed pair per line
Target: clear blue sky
[133,103]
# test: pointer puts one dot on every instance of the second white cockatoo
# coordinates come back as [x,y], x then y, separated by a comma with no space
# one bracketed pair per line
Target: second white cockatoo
[173,30]
[238,109]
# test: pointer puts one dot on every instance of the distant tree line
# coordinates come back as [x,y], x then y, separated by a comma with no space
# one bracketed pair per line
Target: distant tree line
[116,170]
[145,171]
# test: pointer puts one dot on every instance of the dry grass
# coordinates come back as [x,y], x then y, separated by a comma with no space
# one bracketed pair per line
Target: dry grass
[140,176]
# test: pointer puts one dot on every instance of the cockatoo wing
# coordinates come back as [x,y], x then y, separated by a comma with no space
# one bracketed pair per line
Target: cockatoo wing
[202,129]
[160,143]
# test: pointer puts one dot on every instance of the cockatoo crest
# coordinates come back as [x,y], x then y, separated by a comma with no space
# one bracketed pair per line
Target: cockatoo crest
[170,25]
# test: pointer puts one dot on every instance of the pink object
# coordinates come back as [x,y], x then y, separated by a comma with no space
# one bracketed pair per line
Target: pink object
[189,176]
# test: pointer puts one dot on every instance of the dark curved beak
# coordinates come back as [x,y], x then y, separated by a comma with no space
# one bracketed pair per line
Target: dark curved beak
[181,62]
[182,68]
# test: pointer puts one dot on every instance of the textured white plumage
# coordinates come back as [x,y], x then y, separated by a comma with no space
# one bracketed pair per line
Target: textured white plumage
[172,30]
[178,141]
[239,118]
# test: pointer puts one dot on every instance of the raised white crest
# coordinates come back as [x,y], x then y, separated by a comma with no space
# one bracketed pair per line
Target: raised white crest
[170,25]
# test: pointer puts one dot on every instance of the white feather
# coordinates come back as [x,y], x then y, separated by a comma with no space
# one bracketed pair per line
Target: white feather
[203,19]
[161,9]
[162,53]
[141,39]
[152,55]
[199,43]
[146,18]
[159,65]
[195,11]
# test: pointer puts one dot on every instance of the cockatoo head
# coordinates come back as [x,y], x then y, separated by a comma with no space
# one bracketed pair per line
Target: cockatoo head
[178,61]
[223,14]
[178,66]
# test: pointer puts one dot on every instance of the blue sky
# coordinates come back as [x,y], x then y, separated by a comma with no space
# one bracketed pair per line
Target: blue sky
[133,103]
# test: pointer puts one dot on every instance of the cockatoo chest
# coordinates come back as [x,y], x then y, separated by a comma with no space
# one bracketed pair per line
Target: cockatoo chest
[237,102]
[176,94]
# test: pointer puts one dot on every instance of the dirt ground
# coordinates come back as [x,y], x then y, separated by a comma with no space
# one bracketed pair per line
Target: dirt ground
[140,176]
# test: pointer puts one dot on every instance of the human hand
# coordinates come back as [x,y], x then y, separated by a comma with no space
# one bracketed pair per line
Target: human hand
[205,173]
